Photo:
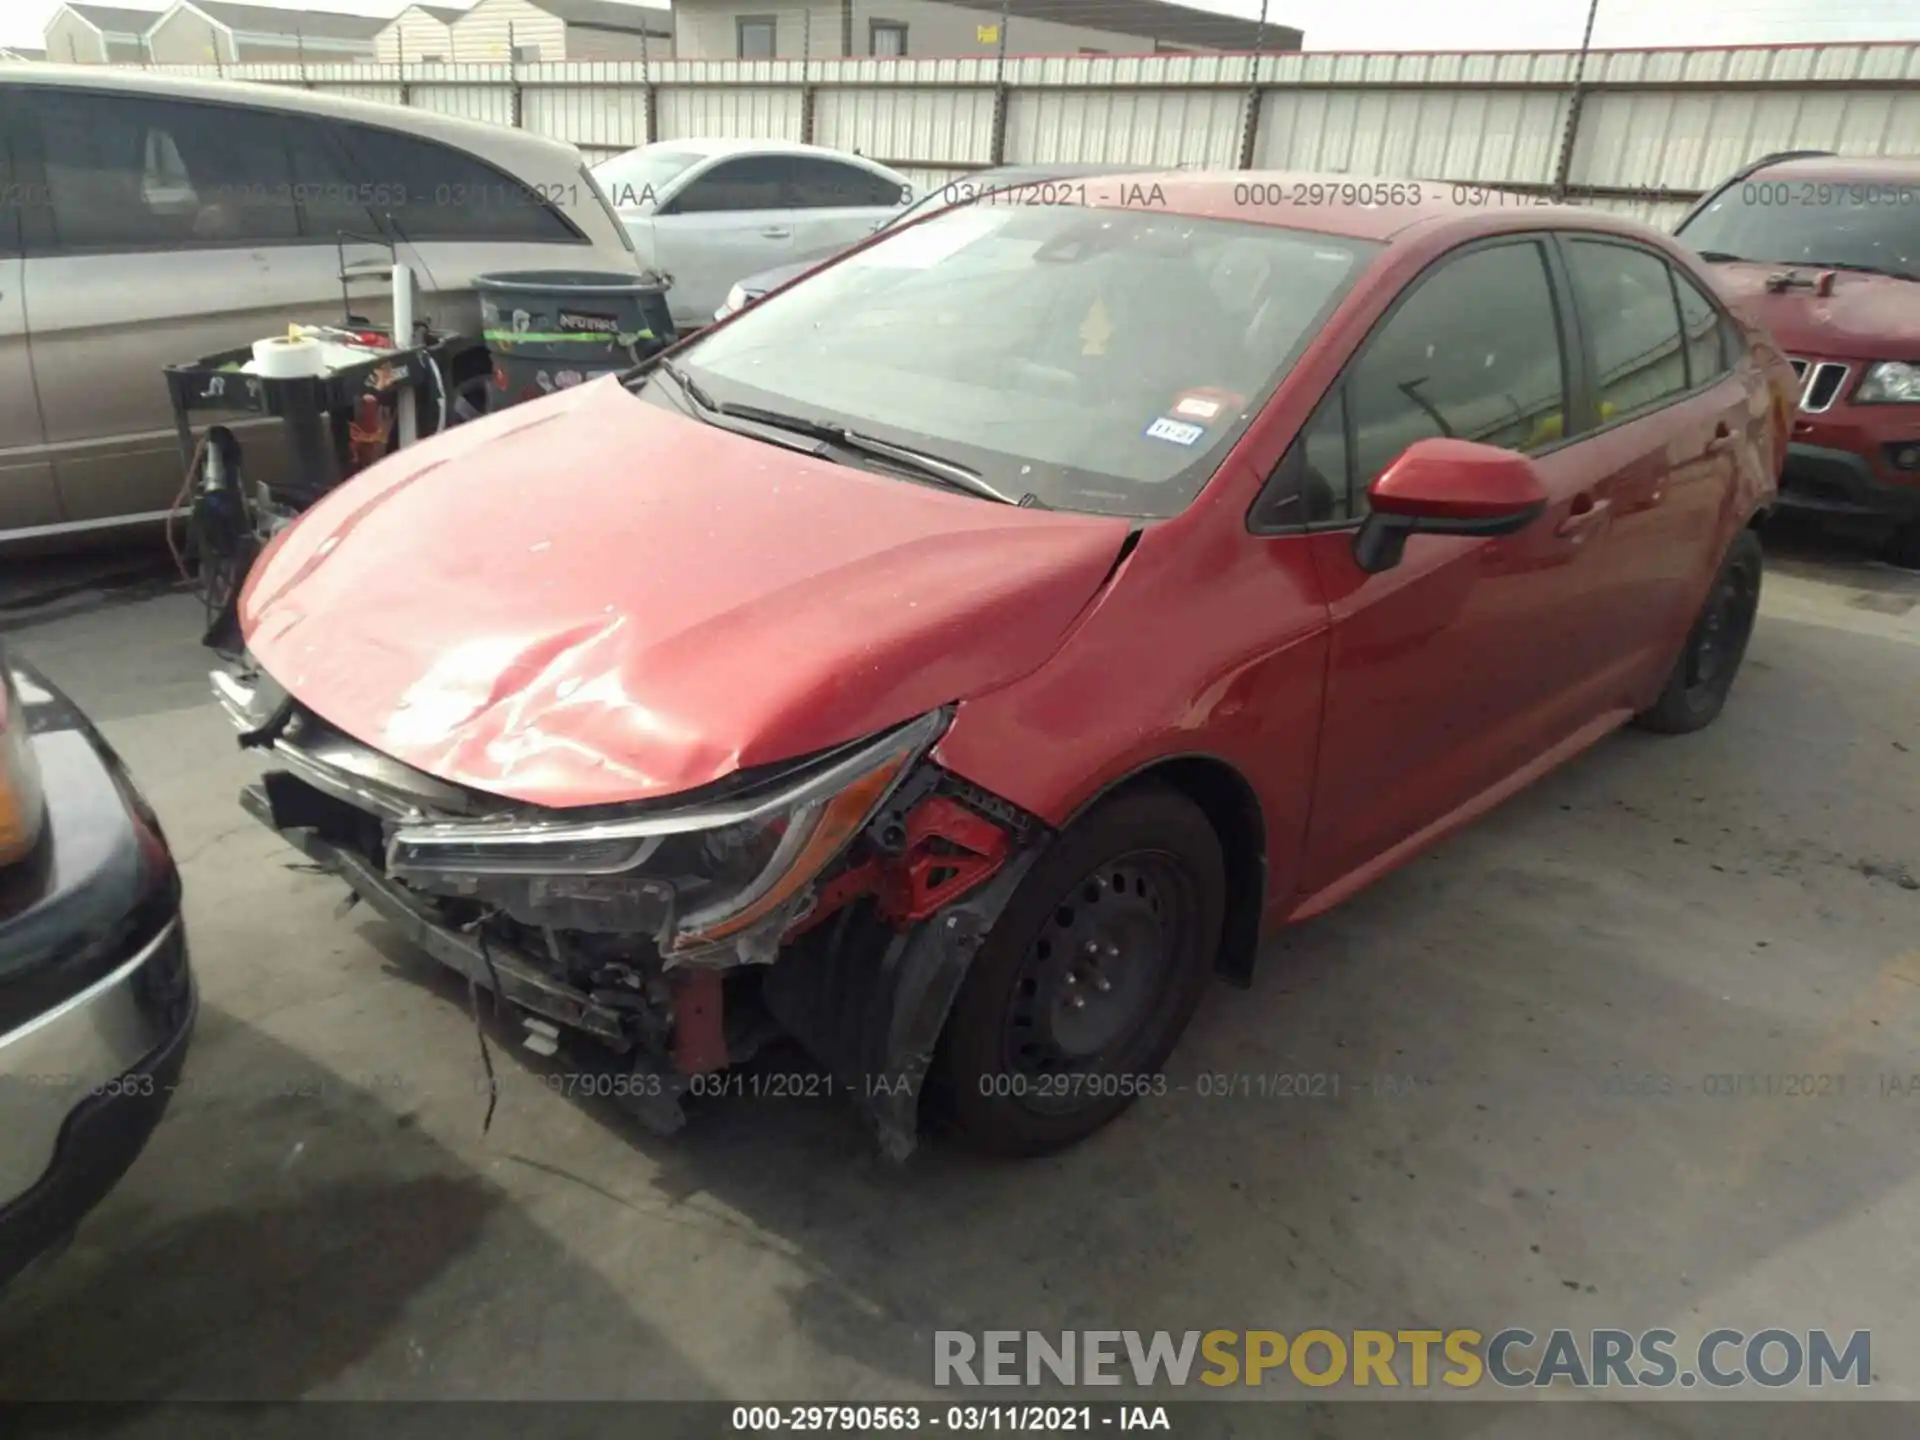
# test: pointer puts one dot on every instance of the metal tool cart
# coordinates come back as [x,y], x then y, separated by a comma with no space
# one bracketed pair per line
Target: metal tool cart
[367,397]
[323,413]
[346,395]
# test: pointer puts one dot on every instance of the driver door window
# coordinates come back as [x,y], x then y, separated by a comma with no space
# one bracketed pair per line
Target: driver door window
[753,182]
[1473,352]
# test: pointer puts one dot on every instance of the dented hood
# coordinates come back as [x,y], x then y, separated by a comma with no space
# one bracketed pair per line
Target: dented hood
[1867,317]
[591,599]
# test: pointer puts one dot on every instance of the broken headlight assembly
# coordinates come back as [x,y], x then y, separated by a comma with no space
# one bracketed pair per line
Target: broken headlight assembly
[716,883]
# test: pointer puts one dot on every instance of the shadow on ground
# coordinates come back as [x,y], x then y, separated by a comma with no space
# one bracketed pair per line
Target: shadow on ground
[230,1266]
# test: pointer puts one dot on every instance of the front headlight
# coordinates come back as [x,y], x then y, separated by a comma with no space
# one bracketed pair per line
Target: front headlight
[1891,382]
[734,875]
[23,806]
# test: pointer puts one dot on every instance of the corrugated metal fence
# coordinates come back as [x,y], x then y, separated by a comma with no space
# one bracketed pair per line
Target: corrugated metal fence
[1640,130]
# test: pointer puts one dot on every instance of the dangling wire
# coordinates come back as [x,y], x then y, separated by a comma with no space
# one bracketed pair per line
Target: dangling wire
[479,928]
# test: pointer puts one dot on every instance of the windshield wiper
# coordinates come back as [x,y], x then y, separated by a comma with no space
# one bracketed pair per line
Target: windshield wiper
[956,476]
[687,384]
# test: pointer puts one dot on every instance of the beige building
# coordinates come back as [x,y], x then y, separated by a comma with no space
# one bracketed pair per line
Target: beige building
[98,35]
[205,32]
[546,30]
[824,29]
[418,34]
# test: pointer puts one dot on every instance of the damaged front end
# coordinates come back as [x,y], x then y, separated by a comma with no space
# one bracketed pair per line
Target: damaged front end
[836,898]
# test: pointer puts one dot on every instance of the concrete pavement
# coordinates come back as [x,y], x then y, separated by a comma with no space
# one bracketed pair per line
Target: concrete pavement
[321,1215]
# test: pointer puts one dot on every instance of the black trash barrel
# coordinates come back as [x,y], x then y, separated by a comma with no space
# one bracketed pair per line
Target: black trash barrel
[549,330]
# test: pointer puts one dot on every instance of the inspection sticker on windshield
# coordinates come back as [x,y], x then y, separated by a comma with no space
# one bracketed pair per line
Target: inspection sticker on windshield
[1180,432]
[1196,405]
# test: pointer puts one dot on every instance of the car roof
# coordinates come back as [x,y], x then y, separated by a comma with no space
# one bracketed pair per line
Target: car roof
[1845,167]
[498,143]
[1059,170]
[709,145]
[1356,207]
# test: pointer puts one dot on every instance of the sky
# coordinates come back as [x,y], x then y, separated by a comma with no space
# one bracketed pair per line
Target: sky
[1408,24]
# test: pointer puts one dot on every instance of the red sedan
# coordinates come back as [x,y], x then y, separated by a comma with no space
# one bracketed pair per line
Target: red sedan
[729,699]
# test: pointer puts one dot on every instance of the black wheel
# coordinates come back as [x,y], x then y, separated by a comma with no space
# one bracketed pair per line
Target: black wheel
[1085,984]
[1903,546]
[1697,688]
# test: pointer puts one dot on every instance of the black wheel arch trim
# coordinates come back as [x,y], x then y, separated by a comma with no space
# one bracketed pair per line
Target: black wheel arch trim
[923,968]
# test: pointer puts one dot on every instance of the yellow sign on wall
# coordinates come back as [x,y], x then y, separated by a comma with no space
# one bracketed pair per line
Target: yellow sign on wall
[987,34]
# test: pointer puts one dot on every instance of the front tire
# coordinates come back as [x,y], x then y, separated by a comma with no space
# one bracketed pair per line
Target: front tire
[1697,687]
[1085,983]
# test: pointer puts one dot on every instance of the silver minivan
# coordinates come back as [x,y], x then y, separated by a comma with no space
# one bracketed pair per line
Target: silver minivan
[147,220]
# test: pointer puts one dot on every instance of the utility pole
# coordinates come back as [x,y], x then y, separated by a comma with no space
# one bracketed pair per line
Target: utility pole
[997,144]
[1563,168]
[1250,129]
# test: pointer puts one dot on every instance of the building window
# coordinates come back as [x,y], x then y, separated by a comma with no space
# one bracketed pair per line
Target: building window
[887,38]
[1089,50]
[757,37]
[526,54]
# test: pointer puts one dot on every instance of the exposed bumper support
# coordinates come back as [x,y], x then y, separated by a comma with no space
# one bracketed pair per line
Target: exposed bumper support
[521,982]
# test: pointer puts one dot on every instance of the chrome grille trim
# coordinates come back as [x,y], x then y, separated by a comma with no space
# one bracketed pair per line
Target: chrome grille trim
[1822,383]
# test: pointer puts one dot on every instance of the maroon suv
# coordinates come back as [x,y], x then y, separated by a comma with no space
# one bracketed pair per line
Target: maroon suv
[1826,251]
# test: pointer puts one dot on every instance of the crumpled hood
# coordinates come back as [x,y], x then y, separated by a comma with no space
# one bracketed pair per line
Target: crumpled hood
[1867,317]
[590,599]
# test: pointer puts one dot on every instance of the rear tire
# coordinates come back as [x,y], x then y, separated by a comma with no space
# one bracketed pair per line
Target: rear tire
[1697,687]
[1084,985]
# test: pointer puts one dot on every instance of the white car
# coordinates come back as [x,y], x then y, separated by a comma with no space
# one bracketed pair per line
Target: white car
[707,212]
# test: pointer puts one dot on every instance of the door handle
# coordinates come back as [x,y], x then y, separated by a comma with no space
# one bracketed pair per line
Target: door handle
[1585,514]
[776,232]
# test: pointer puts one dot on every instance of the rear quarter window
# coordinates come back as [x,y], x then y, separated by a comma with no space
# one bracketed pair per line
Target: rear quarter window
[432,191]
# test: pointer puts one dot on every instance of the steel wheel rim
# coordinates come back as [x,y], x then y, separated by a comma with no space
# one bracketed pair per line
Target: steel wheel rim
[1106,957]
[1723,632]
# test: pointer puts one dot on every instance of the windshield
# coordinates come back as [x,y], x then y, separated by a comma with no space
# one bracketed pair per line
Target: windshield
[1869,224]
[1098,359]
[1045,187]
[637,177]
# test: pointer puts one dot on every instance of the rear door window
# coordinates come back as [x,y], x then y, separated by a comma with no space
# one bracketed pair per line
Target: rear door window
[1632,322]
[1710,353]
[436,192]
[821,184]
